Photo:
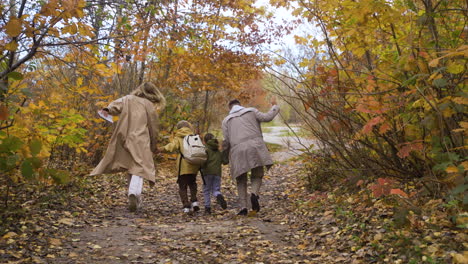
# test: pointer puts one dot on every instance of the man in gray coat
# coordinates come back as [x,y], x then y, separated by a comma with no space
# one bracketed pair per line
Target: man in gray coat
[247,151]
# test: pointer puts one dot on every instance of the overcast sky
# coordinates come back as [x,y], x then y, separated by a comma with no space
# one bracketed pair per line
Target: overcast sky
[280,16]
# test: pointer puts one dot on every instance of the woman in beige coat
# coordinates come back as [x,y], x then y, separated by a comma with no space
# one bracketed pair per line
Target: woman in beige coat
[134,139]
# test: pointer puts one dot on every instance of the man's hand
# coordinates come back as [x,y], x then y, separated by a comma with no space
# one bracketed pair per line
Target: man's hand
[273,101]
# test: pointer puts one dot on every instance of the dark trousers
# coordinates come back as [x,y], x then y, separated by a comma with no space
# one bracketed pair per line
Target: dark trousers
[187,181]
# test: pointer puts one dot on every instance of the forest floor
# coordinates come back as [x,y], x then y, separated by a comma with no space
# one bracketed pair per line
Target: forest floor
[88,222]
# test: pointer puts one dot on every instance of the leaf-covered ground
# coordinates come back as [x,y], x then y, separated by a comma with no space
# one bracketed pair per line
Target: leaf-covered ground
[89,223]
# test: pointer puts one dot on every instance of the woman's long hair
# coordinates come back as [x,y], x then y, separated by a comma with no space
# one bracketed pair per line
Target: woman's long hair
[149,91]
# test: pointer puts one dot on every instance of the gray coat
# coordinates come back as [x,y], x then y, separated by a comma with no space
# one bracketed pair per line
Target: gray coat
[243,137]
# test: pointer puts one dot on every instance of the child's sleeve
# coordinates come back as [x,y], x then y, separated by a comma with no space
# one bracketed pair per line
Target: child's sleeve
[172,146]
[115,108]
[203,165]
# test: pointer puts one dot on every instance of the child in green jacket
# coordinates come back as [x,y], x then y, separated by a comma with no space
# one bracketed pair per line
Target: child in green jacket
[211,173]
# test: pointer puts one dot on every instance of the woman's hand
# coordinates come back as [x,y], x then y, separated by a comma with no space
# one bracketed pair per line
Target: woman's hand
[104,112]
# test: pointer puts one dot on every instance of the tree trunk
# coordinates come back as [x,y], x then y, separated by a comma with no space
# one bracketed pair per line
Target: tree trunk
[205,126]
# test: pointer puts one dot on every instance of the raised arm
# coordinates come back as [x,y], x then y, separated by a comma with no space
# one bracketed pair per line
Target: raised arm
[267,117]
[172,146]
[115,108]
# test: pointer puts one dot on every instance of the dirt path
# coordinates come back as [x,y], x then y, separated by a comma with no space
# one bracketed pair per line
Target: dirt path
[160,233]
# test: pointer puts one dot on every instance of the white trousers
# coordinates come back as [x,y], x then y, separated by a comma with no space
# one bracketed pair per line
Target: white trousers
[136,185]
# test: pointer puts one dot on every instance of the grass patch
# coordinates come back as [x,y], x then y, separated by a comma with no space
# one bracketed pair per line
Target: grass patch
[270,124]
[301,133]
[274,147]
[266,129]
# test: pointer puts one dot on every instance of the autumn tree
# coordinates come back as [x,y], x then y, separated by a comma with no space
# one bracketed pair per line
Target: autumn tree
[64,59]
[386,93]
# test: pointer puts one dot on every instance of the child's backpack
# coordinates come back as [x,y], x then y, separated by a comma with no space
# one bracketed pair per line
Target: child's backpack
[193,150]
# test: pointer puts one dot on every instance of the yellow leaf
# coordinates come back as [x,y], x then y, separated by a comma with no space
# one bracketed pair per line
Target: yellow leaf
[55,241]
[359,52]
[79,13]
[462,219]
[29,31]
[455,68]
[435,76]
[12,46]
[252,213]
[54,32]
[72,29]
[448,112]
[301,246]
[434,62]
[66,221]
[13,27]
[464,125]
[465,164]
[378,237]
[457,130]
[9,235]
[460,258]
[460,100]
[451,169]
[85,30]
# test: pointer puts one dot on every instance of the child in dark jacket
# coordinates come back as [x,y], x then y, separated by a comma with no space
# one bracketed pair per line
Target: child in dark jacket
[211,173]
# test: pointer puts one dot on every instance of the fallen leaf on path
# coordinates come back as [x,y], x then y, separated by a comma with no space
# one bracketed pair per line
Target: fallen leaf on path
[9,235]
[66,221]
[55,241]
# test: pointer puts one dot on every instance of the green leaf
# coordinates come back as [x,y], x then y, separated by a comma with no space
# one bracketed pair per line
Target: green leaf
[411,5]
[422,20]
[440,83]
[412,79]
[35,147]
[59,176]
[400,216]
[27,92]
[11,161]
[36,162]
[15,76]
[27,170]
[442,166]
[459,189]
[4,164]
[455,68]
[10,144]
[465,199]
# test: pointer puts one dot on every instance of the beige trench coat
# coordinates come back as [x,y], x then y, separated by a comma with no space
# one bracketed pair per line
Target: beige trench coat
[243,137]
[133,140]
